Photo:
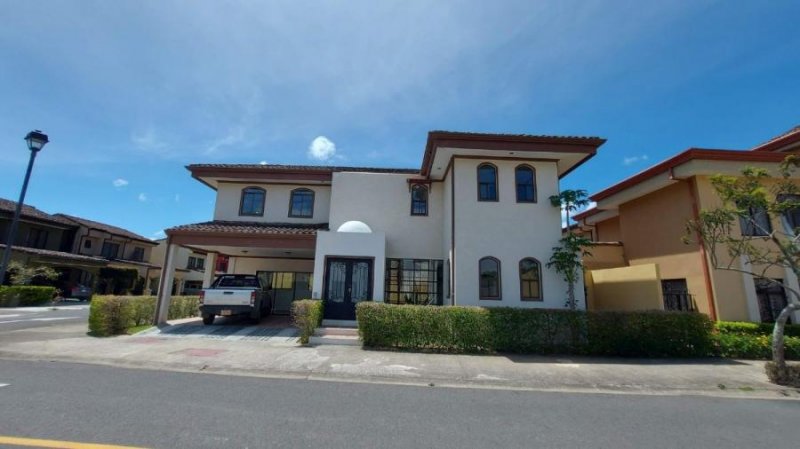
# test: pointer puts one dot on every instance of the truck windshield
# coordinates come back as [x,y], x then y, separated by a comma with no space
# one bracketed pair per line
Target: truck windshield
[235,281]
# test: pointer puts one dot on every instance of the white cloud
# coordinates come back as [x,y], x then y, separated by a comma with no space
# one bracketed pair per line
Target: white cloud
[142,197]
[119,182]
[321,149]
[263,163]
[159,235]
[148,141]
[630,160]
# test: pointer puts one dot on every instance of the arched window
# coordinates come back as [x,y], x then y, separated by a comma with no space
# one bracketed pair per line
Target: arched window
[530,279]
[525,177]
[489,268]
[301,203]
[419,200]
[252,202]
[487,182]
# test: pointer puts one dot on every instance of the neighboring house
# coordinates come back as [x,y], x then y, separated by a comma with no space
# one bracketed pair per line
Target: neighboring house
[120,247]
[641,262]
[472,226]
[190,264]
[45,239]
[76,247]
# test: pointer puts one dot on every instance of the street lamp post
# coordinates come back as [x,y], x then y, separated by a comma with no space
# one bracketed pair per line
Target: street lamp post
[36,141]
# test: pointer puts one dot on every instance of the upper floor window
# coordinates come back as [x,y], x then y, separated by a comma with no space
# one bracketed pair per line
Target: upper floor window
[419,200]
[87,244]
[138,254]
[755,222]
[791,213]
[252,202]
[489,274]
[301,203]
[195,263]
[487,182]
[37,238]
[530,279]
[110,250]
[526,184]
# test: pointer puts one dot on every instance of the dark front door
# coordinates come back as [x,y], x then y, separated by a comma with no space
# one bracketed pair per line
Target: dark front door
[347,282]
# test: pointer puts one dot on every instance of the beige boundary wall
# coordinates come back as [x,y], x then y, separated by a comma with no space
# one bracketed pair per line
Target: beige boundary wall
[636,287]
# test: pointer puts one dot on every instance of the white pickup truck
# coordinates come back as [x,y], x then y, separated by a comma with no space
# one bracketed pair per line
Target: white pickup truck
[235,294]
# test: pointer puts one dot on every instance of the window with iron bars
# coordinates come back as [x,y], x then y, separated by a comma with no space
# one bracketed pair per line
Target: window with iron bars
[414,281]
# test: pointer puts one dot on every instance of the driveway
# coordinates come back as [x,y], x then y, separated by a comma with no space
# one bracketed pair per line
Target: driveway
[275,329]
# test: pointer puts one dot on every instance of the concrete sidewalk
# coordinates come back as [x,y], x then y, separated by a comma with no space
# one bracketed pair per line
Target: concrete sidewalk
[282,357]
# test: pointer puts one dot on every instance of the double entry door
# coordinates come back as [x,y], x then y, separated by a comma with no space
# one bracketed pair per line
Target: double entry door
[347,282]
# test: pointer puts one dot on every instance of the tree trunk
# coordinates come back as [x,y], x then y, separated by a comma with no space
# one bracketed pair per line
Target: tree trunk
[778,355]
[571,295]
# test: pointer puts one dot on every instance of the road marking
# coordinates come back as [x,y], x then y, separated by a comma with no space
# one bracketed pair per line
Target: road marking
[9,316]
[34,442]
[4,385]
[41,319]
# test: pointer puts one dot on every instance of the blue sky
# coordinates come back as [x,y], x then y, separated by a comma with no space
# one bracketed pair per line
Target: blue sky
[131,91]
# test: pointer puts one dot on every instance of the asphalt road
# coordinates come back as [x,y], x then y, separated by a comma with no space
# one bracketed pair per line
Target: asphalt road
[83,403]
[38,323]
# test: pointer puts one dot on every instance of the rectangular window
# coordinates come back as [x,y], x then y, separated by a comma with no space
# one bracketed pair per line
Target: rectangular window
[138,254]
[110,250]
[195,263]
[301,203]
[222,264]
[676,295]
[755,222]
[414,281]
[419,200]
[37,238]
[252,202]
[771,299]
[791,215]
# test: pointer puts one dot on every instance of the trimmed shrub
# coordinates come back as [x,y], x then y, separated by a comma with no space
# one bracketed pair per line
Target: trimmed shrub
[534,331]
[789,375]
[650,334]
[25,295]
[753,347]
[746,328]
[114,315]
[307,316]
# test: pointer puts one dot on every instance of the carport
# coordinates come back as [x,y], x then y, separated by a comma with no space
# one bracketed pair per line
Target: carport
[251,248]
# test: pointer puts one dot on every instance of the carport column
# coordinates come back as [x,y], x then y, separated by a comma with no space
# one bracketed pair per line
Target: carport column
[165,283]
[210,268]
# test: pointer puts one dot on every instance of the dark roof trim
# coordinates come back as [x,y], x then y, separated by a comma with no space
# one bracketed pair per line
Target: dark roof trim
[681,158]
[790,137]
[508,142]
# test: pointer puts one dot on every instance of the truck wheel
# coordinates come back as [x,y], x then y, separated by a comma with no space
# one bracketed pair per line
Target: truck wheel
[255,316]
[208,319]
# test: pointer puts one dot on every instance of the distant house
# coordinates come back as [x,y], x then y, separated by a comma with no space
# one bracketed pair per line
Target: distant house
[76,247]
[471,226]
[190,264]
[641,262]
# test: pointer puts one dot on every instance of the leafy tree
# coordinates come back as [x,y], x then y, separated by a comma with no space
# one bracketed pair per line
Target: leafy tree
[21,274]
[745,200]
[567,258]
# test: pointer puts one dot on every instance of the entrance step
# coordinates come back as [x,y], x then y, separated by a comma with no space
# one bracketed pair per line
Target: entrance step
[340,323]
[335,336]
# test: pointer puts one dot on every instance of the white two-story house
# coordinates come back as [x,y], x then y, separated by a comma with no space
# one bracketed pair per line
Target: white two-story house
[473,226]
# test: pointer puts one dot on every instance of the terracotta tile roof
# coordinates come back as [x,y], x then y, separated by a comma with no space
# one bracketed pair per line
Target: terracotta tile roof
[511,136]
[789,137]
[31,212]
[304,168]
[56,254]
[105,227]
[244,227]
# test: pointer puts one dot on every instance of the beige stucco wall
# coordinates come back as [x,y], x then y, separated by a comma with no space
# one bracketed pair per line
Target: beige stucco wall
[605,256]
[608,230]
[626,288]
[250,265]
[276,203]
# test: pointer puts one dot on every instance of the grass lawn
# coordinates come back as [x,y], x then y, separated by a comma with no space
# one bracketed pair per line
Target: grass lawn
[137,329]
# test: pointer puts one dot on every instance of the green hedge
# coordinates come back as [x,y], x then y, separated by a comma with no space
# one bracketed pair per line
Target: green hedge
[114,315]
[753,347]
[307,316]
[745,328]
[534,331]
[25,295]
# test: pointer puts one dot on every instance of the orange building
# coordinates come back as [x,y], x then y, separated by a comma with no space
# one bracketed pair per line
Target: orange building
[641,261]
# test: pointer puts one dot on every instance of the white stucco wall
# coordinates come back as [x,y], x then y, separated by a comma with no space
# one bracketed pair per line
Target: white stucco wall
[383,201]
[508,231]
[276,207]
[250,265]
[447,228]
[351,244]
